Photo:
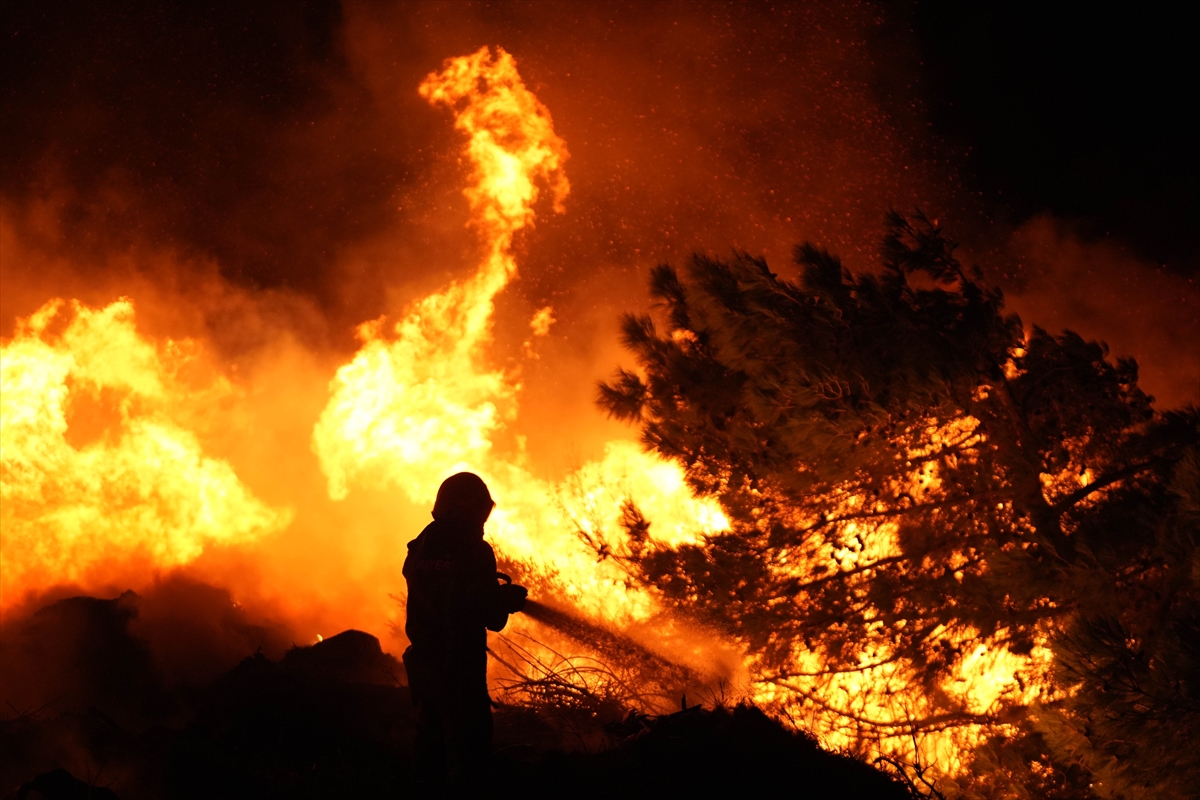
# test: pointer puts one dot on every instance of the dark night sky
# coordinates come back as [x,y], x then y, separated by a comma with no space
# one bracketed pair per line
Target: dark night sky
[1084,111]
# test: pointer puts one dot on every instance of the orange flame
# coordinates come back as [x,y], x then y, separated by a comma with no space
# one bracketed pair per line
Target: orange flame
[511,142]
[423,403]
[142,487]
[418,405]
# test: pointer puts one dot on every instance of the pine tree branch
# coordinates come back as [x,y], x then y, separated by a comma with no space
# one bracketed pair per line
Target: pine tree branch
[1082,493]
[888,728]
[916,508]
[912,510]
[843,573]
[783,676]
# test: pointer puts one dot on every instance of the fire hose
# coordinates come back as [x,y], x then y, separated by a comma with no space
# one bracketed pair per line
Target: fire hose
[614,645]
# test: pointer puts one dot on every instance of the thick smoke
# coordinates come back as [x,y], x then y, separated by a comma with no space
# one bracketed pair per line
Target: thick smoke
[179,691]
[289,146]
[129,654]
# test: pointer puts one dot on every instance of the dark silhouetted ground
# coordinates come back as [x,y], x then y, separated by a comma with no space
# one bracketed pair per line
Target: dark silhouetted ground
[335,720]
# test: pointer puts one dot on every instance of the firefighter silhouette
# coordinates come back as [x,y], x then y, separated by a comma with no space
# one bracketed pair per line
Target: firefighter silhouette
[454,598]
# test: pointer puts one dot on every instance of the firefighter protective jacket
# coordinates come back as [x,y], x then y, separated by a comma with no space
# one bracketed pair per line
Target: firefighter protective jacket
[453,600]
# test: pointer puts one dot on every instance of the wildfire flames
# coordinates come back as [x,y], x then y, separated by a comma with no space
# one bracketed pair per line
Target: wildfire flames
[106,479]
[143,493]
[421,404]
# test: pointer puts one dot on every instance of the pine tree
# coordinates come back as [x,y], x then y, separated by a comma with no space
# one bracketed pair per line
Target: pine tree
[1131,653]
[907,473]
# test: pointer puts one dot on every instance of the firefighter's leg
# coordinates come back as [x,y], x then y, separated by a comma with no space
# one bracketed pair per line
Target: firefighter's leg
[430,748]
[470,740]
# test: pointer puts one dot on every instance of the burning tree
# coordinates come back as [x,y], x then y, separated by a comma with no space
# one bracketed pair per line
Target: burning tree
[932,512]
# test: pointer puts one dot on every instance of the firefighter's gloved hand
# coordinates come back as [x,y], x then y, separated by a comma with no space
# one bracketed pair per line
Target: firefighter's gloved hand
[512,597]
